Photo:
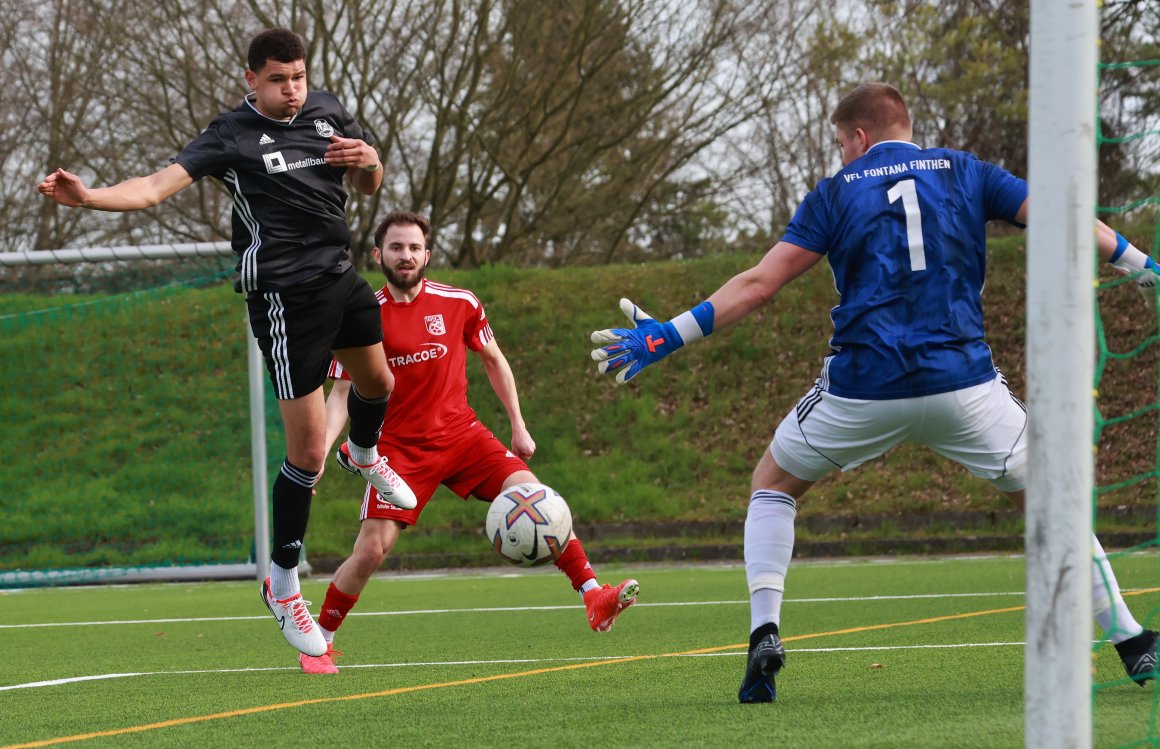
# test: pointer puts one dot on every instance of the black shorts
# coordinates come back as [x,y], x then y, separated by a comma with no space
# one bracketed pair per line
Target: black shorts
[298,327]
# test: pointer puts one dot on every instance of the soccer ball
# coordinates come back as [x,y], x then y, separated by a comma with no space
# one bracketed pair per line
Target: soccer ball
[529,524]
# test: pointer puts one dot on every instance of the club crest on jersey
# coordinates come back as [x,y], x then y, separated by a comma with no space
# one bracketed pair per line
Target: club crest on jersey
[435,325]
[324,128]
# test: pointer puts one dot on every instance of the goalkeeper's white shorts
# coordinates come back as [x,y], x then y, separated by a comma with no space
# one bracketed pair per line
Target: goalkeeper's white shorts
[983,427]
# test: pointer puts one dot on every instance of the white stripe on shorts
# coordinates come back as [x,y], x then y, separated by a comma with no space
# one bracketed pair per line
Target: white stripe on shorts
[279,346]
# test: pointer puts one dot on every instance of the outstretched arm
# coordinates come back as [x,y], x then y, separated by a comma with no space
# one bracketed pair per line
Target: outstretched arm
[752,289]
[626,351]
[1113,248]
[503,382]
[134,194]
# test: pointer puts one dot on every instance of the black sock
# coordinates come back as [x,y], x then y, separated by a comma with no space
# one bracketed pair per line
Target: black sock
[757,635]
[366,418]
[293,490]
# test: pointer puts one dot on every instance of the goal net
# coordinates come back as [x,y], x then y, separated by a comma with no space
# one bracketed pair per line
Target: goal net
[1127,357]
[107,438]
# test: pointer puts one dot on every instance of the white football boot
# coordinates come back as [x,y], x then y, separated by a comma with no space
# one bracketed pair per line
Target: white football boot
[387,483]
[293,617]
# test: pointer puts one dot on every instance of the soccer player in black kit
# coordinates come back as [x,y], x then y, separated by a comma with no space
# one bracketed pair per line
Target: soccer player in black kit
[283,155]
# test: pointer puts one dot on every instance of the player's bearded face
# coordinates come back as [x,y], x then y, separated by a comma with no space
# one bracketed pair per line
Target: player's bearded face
[404,271]
[404,255]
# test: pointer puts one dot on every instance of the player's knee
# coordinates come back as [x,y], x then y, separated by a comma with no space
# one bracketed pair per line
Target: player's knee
[311,458]
[368,557]
[769,475]
[375,385]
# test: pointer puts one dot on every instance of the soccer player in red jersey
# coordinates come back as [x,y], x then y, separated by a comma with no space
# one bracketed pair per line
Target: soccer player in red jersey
[432,435]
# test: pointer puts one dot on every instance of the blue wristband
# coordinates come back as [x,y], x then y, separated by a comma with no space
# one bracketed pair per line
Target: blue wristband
[1121,245]
[694,324]
[703,313]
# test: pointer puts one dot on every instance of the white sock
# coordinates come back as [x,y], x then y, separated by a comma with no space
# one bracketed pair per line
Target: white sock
[283,582]
[768,548]
[1111,612]
[326,634]
[587,586]
[364,456]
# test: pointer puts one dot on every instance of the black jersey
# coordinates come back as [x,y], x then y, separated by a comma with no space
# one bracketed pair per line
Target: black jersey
[289,220]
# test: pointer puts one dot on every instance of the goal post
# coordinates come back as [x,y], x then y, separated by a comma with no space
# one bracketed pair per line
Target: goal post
[64,321]
[1060,369]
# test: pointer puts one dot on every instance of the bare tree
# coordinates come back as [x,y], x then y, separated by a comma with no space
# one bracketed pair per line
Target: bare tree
[58,61]
[1130,107]
[553,129]
[551,132]
[788,145]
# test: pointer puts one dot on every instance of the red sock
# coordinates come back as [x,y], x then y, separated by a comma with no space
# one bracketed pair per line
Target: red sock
[573,562]
[335,608]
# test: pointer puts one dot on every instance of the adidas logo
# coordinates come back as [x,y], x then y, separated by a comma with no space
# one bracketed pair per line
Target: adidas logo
[265,140]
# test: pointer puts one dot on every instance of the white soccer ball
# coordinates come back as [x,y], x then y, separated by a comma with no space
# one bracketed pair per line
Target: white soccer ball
[529,524]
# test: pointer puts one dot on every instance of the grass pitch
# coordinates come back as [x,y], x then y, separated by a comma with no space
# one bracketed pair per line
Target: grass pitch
[910,653]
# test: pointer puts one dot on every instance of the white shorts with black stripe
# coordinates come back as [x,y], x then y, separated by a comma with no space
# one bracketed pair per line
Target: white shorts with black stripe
[983,427]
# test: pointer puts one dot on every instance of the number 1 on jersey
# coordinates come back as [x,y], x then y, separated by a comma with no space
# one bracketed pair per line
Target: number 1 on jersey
[909,195]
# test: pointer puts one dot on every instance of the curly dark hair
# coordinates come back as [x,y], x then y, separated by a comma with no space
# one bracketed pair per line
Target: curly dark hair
[280,45]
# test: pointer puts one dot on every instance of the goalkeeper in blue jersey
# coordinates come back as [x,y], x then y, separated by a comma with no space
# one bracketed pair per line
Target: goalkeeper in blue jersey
[903,228]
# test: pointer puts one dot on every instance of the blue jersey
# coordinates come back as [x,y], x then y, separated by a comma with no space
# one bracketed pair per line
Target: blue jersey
[904,231]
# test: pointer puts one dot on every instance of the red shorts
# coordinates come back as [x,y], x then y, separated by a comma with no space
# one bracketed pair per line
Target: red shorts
[475,464]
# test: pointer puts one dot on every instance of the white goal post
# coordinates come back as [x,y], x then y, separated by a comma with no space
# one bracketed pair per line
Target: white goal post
[1060,369]
[256,376]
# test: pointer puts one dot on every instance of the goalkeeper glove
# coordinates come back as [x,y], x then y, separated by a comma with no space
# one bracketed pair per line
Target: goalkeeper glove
[629,350]
[1127,259]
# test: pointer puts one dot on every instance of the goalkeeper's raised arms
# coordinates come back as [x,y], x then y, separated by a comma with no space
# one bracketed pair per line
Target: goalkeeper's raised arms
[629,350]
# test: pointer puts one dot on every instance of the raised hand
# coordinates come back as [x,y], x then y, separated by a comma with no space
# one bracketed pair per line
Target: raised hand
[629,350]
[65,188]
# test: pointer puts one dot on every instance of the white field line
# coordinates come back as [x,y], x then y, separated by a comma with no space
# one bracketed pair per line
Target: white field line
[496,662]
[495,609]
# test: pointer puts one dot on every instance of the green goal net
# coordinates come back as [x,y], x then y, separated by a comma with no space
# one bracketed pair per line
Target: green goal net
[126,425]
[1127,370]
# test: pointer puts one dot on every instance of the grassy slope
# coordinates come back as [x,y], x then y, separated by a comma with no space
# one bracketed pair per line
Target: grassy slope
[677,444]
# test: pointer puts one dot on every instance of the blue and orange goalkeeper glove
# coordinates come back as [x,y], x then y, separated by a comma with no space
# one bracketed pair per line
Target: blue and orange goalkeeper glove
[1128,260]
[629,350]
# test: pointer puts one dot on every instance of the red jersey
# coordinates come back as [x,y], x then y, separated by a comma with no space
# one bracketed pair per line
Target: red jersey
[426,343]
